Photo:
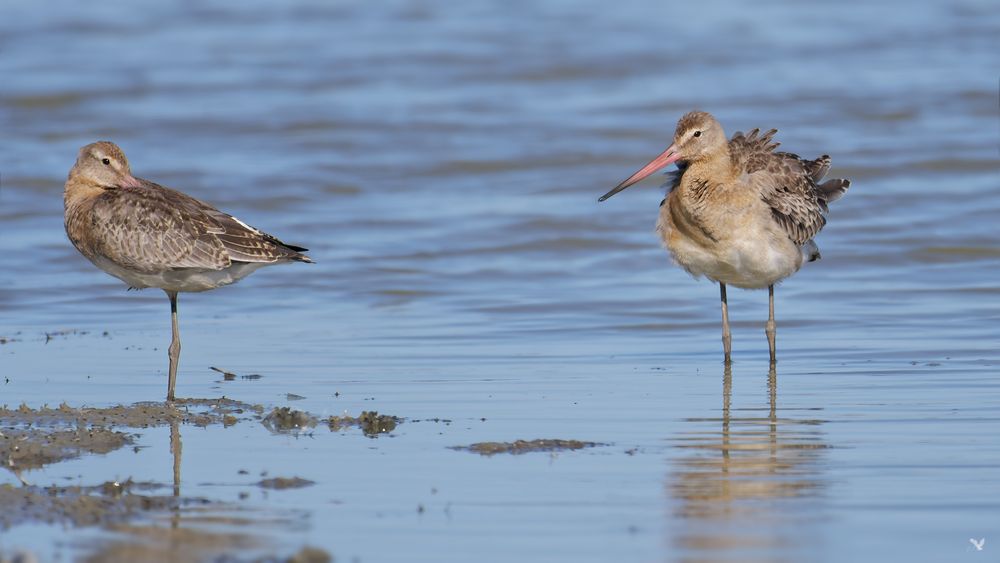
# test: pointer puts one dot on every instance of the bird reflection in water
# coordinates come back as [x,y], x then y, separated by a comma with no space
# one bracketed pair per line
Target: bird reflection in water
[749,490]
[175,453]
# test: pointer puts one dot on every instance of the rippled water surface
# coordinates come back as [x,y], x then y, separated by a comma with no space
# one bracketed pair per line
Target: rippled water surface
[442,161]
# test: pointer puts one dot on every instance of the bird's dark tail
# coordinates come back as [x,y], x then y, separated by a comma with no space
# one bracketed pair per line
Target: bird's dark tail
[298,256]
[832,190]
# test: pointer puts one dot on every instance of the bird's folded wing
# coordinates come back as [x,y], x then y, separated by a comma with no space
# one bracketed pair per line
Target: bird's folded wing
[248,244]
[152,229]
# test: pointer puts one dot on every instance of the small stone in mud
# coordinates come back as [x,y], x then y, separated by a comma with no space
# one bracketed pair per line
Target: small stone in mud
[294,397]
[284,483]
[371,423]
[284,419]
[524,446]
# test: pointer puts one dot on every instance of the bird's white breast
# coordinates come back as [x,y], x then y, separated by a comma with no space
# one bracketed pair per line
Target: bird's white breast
[754,255]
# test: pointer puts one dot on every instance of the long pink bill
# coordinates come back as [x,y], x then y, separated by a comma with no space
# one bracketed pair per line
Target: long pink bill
[668,156]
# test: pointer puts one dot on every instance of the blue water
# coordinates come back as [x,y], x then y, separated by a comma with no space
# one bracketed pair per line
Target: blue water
[442,162]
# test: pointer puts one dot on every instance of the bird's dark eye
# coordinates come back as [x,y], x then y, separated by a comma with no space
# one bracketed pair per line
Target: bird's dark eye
[697,134]
[106,161]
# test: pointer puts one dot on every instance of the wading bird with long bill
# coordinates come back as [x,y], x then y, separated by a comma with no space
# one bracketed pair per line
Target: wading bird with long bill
[148,235]
[737,212]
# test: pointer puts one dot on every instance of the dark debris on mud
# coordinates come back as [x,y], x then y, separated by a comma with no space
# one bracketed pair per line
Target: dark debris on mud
[288,420]
[371,423]
[285,419]
[525,446]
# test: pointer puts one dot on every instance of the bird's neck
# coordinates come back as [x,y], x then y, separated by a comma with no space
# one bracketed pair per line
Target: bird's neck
[78,191]
[714,169]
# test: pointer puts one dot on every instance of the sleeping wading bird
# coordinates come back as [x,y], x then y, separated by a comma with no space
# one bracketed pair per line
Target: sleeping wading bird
[737,212]
[150,236]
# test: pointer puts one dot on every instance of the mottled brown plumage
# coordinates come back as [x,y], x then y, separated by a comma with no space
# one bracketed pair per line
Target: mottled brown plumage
[737,211]
[148,235]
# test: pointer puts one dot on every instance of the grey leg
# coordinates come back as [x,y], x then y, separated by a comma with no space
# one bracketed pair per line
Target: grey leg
[727,339]
[771,329]
[175,346]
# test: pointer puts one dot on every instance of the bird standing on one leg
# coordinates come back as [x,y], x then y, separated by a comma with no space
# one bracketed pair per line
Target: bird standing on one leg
[148,235]
[736,211]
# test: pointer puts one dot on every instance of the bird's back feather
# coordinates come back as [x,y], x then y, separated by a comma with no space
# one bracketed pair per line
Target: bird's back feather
[787,183]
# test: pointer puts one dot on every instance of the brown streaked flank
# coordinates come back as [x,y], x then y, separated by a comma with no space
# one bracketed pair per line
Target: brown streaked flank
[148,235]
[737,211]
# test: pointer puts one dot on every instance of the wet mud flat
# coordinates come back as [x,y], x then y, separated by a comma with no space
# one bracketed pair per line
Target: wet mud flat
[142,518]
[148,520]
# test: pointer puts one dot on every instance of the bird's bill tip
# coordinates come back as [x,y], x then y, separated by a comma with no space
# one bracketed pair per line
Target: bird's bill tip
[613,191]
[130,181]
[667,157]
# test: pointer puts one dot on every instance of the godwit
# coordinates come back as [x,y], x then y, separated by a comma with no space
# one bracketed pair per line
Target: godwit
[737,212]
[150,236]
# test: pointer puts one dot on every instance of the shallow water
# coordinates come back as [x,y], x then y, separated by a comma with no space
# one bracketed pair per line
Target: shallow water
[442,162]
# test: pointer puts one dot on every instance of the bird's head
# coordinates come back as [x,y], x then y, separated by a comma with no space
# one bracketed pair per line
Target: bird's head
[698,136]
[103,164]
